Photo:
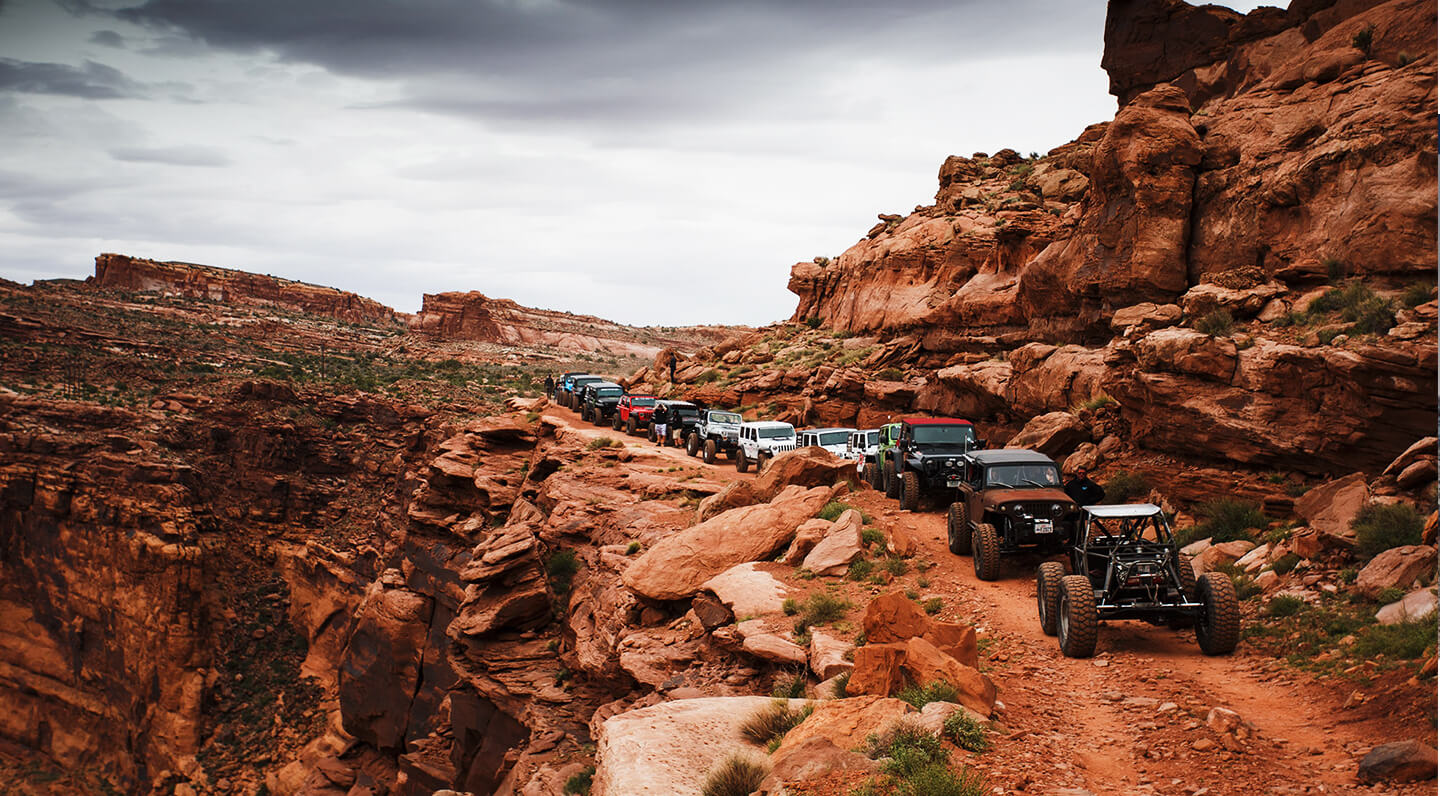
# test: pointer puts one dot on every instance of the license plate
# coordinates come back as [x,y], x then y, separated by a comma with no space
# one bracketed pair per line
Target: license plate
[952,482]
[1044,526]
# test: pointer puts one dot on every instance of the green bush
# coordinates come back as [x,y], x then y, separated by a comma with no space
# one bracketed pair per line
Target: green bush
[580,783]
[920,696]
[872,536]
[632,548]
[933,605]
[771,722]
[842,685]
[1416,293]
[905,735]
[562,566]
[1403,641]
[890,374]
[1379,527]
[1389,595]
[791,607]
[1285,564]
[603,442]
[737,775]
[1126,487]
[965,732]
[822,608]
[1364,39]
[1284,605]
[1217,323]
[896,566]
[813,322]
[791,687]
[860,569]
[1225,520]
[831,511]
[1335,269]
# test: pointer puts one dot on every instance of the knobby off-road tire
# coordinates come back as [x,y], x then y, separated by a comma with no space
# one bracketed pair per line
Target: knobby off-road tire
[1218,627]
[710,451]
[1047,595]
[986,555]
[910,490]
[892,483]
[761,459]
[692,444]
[615,421]
[872,474]
[957,528]
[1079,621]
[1189,589]
[742,462]
[630,427]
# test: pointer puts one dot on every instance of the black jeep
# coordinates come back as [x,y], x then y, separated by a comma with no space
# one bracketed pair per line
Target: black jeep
[679,417]
[928,457]
[1009,500]
[598,401]
[1129,566]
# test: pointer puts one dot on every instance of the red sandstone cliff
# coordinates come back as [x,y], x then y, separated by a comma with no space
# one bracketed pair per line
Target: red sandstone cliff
[475,316]
[119,272]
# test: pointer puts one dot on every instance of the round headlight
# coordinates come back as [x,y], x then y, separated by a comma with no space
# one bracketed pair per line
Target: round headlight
[949,462]
[1055,507]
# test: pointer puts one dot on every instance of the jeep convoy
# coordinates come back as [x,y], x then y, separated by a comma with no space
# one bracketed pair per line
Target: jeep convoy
[598,401]
[633,413]
[1006,501]
[762,441]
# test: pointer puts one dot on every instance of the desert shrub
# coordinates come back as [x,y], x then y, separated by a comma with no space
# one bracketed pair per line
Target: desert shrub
[831,511]
[842,685]
[737,775]
[1379,527]
[872,536]
[1364,39]
[1217,323]
[920,696]
[813,322]
[1403,640]
[860,569]
[823,607]
[771,722]
[632,548]
[965,732]
[1125,487]
[896,566]
[1335,269]
[1284,605]
[1348,575]
[708,376]
[561,566]
[1403,59]
[1228,520]
[1375,315]
[603,442]
[933,605]
[1098,402]
[904,734]
[1390,594]
[791,686]
[580,783]
[890,374]
[1415,294]
[791,606]
[1285,564]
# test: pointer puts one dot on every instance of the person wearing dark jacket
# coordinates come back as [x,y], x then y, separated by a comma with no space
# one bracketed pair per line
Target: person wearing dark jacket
[549,386]
[1084,491]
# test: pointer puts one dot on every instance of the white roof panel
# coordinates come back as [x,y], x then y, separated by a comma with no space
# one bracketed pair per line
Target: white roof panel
[1131,510]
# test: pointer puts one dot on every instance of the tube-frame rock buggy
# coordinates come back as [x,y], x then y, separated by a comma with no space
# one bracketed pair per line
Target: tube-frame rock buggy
[1128,565]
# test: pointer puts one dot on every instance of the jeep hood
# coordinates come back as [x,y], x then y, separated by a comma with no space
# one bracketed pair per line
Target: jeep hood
[993,497]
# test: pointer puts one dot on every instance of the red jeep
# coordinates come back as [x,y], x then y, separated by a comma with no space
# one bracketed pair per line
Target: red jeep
[633,413]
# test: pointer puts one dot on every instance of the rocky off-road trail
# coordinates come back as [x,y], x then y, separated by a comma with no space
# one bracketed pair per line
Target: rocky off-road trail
[1132,719]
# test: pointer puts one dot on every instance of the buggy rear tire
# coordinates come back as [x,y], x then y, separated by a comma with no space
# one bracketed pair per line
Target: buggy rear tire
[692,444]
[892,483]
[1047,595]
[957,528]
[1189,591]
[742,462]
[1218,626]
[986,555]
[1079,621]
[710,450]
[910,490]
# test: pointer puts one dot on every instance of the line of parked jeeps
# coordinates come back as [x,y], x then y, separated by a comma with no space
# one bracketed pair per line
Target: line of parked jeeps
[1120,562]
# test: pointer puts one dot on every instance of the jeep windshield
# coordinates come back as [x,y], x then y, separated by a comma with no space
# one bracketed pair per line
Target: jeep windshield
[872,438]
[642,401]
[776,431]
[944,435]
[1023,476]
[725,417]
[610,392]
[833,437]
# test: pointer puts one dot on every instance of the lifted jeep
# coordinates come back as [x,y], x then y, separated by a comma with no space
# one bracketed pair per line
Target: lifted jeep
[679,418]
[598,401]
[1129,566]
[882,475]
[570,389]
[835,440]
[927,457]
[1008,500]
[717,432]
[762,441]
[633,413]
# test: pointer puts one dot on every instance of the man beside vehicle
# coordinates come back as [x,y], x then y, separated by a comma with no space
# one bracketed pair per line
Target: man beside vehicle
[1082,490]
[659,426]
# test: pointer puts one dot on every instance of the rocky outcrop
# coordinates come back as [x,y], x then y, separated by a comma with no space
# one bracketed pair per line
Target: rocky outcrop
[476,317]
[120,272]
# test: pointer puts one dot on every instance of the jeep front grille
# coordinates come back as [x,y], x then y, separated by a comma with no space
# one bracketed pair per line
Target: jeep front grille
[781,448]
[1042,510]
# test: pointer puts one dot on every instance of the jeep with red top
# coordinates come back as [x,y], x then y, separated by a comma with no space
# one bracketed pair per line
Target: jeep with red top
[927,457]
[634,413]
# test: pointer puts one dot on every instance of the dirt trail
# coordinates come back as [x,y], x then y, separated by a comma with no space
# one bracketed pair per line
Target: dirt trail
[1104,725]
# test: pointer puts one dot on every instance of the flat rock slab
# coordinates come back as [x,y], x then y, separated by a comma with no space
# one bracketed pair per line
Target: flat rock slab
[667,749]
[748,591]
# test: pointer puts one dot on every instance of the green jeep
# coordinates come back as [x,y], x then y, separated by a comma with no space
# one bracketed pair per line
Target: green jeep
[882,475]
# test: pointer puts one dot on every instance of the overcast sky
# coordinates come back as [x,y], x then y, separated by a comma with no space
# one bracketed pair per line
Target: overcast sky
[650,161]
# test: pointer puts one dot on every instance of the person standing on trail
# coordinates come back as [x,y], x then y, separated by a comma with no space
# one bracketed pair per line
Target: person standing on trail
[658,425]
[673,357]
[549,386]
[1082,490]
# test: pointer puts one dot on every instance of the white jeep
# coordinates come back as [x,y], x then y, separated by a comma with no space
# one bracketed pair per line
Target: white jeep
[761,441]
[835,440]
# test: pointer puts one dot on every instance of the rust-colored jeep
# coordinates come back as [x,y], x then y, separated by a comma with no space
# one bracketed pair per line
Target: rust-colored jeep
[1009,500]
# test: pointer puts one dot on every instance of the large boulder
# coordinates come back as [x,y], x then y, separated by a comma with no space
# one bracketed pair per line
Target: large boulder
[769,646]
[925,663]
[1332,506]
[1395,568]
[1145,316]
[678,566]
[1223,553]
[813,758]
[809,534]
[827,654]
[841,545]
[380,670]
[1402,761]
[1187,351]
[845,722]
[669,748]
[1417,604]
[748,590]
[877,670]
[893,617]
[1053,434]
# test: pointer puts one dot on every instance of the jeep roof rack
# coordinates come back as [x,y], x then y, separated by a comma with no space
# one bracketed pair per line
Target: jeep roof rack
[1128,510]
[936,421]
[1011,456]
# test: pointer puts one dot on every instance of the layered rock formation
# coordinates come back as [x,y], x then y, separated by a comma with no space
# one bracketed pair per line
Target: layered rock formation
[475,316]
[119,272]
